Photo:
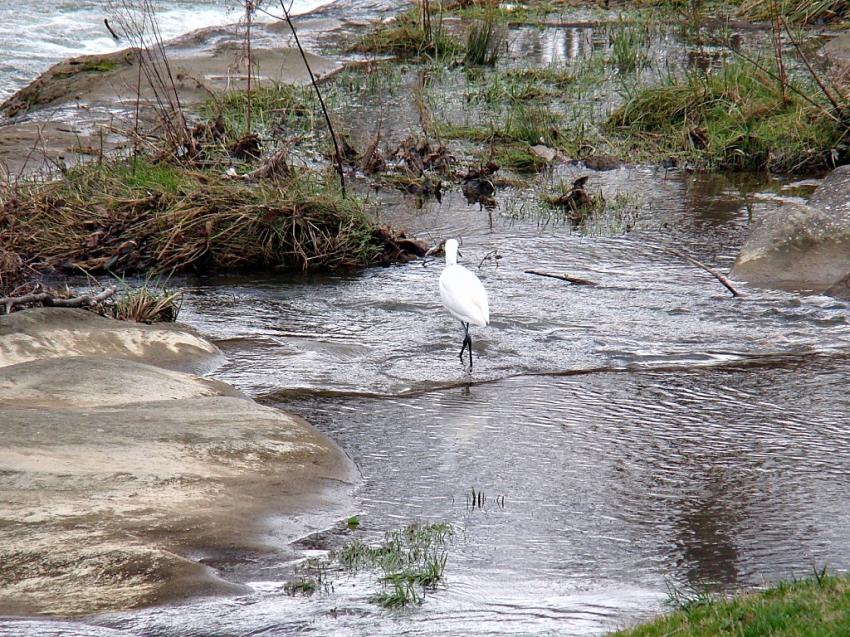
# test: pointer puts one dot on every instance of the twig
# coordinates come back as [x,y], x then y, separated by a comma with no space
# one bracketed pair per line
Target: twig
[815,76]
[338,156]
[47,299]
[249,11]
[563,277]
[773,76]
[724,280]
[493,254]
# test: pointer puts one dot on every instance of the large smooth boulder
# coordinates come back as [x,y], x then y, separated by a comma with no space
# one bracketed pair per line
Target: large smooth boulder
[117,476]
[801,246]
[52,332]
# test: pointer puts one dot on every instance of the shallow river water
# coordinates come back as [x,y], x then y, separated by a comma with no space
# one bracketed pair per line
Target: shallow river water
[648,433]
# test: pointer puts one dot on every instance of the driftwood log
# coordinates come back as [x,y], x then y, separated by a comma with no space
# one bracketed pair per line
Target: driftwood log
[49,300]
[563,277]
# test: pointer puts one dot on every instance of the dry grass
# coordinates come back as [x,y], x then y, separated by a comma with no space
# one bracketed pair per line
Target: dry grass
[163,218]
[147,304]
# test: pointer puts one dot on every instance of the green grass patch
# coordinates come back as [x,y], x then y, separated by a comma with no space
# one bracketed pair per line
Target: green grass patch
[303,586]
[734,118]
[405,37]
[517,157]
[281,106]
[816,607]
[409,562]
[557,76]
[629,45]
[485,42]
[87,66]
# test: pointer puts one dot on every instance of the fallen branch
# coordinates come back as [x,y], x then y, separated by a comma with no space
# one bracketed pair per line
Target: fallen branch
[48,300]
[563,277]
[725,281]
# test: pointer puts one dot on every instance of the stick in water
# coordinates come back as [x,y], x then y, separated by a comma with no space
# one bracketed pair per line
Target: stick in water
[725,281]
[563,277]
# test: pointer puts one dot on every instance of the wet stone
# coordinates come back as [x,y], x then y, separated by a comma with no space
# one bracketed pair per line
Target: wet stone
[801,246]
[117,474]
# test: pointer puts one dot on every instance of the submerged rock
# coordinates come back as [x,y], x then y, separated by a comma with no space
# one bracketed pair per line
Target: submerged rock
[118,475]
[802,246]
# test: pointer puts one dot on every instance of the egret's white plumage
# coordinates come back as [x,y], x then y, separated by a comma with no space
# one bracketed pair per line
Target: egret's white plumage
[463,295]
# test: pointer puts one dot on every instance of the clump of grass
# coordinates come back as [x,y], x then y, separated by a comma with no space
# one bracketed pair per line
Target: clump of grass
[629,43]
[410,562]
[734,118]
[557,76]
[517,157]
[146,304]
[816,606]
[303,586]
[86,65]
[405,36]
[281,106]
[799,11]
[119,217]
[687,599]
[485,42]
[531,124]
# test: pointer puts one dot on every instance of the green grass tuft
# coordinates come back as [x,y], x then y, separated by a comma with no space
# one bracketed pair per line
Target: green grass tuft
[405,37]
[733,119]
[411,561]
[485,42]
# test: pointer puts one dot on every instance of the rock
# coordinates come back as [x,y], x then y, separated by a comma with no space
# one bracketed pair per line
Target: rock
[840,289]
[50,332]
[116,476]
[84,95]
[544,152]
[837,52]
[801,246]
[603,162]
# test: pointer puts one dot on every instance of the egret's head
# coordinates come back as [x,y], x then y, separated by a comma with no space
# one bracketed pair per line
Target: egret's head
[451,252]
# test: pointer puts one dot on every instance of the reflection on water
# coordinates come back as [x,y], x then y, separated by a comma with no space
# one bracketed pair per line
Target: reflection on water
[646,431]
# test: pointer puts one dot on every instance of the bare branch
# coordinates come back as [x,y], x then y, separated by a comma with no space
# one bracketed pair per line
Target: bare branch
[47,299]
[563,277]
[724,280]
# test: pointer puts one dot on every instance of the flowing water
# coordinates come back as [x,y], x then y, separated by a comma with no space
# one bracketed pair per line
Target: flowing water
[646,433]
[38,33]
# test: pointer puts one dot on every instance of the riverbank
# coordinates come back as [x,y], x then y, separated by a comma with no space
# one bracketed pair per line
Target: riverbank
[819,605]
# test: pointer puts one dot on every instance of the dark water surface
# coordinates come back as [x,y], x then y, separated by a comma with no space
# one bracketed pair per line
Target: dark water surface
[650,432]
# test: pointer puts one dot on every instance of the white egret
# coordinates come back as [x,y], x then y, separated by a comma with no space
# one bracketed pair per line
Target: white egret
[463,296]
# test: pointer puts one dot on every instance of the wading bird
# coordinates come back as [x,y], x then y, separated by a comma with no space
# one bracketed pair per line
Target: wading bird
[463,296]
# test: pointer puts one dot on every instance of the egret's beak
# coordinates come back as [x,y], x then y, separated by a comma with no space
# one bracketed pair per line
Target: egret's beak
[459,253]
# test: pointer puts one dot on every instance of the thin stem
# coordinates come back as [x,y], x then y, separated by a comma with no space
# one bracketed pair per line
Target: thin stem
[337,155]
[249,10]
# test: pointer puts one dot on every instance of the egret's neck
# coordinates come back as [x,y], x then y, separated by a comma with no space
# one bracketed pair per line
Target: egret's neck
[451,255]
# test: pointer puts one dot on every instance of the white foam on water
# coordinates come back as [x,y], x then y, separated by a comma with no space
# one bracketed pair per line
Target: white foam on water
[38,33]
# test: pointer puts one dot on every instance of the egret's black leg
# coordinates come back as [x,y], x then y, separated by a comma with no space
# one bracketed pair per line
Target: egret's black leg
[466,340]
[469,343]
